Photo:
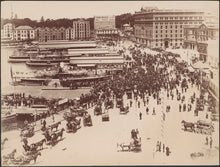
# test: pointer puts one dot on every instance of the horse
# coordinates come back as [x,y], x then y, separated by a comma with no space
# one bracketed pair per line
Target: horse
[60,133]
[188,125]
[3,142]
[40,143]
[9,156]
[21,160]
[55,125]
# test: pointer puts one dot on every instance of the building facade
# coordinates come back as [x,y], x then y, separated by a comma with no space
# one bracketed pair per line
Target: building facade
[81,29]
[45,34]
[24,33]
[163,28]
[70,34]
[204,39]
[104,22]
[8,31]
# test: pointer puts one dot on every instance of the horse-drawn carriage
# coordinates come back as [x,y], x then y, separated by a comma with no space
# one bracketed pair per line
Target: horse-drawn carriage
[198,127]
[134,145]
[204,127]
[78,111]
[73,125]
[119,102]
[98,110]
[124,110]
[87,120]
[109,104]
[27,131]
[105,116]
[52,137]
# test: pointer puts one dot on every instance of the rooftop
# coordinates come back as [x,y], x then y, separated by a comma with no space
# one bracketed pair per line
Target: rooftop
[24,28]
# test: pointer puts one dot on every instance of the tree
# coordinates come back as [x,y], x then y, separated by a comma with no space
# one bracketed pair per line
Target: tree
[42,19]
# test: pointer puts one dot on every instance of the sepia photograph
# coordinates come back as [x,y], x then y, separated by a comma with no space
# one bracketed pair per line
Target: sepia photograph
[90,83]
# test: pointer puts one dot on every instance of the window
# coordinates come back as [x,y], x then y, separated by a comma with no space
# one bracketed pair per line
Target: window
[156,31]
[156,18]
[156,44]
[166,27]
[195,18]
[181,26]
[156,36]
[161,31]
[176,18]
[176,44]
[171,26]
[166,36]
[161,44]
[181,31]
[181,35]
[156,27]
[161,18]
[176,31]
[161,27]
[181,18]
[200,17]
[171,31]
[171,18]
[176,35]
[161,36]
[170,44]
[190,18]
[186,18]
[171,35]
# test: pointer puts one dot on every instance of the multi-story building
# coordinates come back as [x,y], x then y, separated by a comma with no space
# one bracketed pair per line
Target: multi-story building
[163,28]
[104,22]
[105,27]
[8,30]
[81,29]
[24,33]
[70,33]
[45,33]
[204,39]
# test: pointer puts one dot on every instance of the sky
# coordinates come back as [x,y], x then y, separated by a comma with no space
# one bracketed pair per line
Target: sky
[84,9]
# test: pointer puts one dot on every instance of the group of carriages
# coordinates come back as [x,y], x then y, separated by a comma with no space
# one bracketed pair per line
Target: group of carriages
[73,123]
[200,126]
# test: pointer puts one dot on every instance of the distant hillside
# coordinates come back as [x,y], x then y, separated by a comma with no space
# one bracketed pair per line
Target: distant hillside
[119,21]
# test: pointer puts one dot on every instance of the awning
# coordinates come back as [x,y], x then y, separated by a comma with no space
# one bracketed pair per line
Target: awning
[191,69]
[85,65]
[200,65]
[62,101]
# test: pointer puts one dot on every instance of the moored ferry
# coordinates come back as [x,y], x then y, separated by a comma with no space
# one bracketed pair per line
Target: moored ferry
[48,61]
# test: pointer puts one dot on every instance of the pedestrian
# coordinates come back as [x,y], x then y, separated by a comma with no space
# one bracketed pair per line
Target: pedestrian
[140,115]
[153,112]
[167,151]
[53,117]
[144,102]
[207,116]
[44,123]
[210,142]
[207,140]
[147,110]
[147,100]
[159,146]
[138,104]
[130,103]
[180,107]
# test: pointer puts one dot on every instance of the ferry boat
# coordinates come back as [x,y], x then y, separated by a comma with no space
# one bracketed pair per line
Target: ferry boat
[48,61]
[18,59]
